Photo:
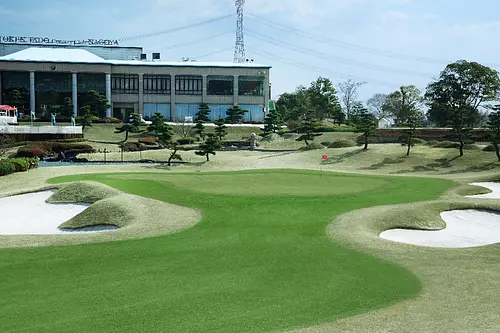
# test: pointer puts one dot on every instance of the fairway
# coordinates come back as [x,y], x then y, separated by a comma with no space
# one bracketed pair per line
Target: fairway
[259,260]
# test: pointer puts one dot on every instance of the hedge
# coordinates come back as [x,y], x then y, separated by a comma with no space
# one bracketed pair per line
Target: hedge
[186,141]
[12,165]
[342,144]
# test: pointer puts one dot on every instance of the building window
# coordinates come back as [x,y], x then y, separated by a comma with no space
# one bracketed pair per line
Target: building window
[250,86]
[157,84]
[125,84]
[188,85]
[220,85]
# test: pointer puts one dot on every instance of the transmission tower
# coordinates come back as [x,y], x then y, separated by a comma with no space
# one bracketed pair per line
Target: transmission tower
[239,48]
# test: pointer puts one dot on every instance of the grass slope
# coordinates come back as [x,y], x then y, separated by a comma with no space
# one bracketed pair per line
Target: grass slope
[254,264]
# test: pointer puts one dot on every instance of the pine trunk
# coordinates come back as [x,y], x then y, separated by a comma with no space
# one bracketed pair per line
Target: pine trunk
[409,145]
[208,159]
[461,147]
[497,150]
[366,142]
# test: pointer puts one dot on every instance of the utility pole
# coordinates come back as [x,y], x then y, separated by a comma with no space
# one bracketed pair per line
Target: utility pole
[239,48]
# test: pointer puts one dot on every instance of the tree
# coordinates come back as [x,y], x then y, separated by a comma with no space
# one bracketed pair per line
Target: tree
[458,122]
[15,97]
[321,97]
[308,127]
[131,126]
[376,106]
[67,110]
[349,94]
[339,117]
[400,104]
[494,125]
[183,129]
[272,123]
[165,137]
[414,120]
[98,103]
[235,114]
[200,118]
[157,124]
[462,88]
[220,128]
[85,116]
[209,147]
[365,123]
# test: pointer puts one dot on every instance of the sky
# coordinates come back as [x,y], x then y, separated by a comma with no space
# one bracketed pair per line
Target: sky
[385,43]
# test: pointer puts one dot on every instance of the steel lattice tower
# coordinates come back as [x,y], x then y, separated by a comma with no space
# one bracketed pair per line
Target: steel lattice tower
[239,48]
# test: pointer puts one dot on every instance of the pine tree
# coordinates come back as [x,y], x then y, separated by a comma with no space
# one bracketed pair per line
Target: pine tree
[413,121]
[166,135]
[157,124]
[15,97]
[131,126]
[365,123]
[209,147]
[220,129]
[494,125]
[200,118]
[272,123]
[66,111]
[235,114]
[308,127]
[85,116]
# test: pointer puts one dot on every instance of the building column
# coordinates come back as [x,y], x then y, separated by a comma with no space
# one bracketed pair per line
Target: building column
[204,89]
[74,87]
[32,92]
[141,94]
[236,90]
[172,97]
[266,93]
[1,90]
[108,93]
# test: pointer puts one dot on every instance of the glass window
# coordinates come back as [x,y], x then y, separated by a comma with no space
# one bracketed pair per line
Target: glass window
[188,85]
[87,82]
[125,84]
[251,86]
[16,90]
[220,85]
[157,84]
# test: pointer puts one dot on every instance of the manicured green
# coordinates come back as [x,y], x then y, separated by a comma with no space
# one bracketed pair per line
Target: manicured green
[256,263]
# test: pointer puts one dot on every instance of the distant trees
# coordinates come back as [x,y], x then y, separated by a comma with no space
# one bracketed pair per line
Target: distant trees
[402,103]
[349,95]
[209,147]
[235,114]
[376,106]
[308,128]
[131,126]
[494,126]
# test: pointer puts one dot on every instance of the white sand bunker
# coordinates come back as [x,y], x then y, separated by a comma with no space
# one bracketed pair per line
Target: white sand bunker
[29,214]
[464,228]
[494,187]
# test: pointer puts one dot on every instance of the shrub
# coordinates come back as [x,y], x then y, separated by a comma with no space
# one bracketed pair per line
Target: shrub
[31,152]
[342,144]
[293,125]
[342,129]
[110,120]
[57,147]
[312,146]
[489,148]
[6,168]
[446,144]
[326,143]
[289,136]
[148,141]
[130,146]
[186,141]
[432,143]
[20,164]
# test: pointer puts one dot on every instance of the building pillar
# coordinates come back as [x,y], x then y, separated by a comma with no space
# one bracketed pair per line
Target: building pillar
[172,97]
[204,83]
[74,87]
[236,90]
[1,90]
[141,94]
[32,92]
[266,93]
[108,93]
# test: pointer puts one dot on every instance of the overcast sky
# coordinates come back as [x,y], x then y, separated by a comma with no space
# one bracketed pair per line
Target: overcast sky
[386,43]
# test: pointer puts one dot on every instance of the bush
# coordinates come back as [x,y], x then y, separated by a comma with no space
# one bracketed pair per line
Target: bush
[342,144]
[130,146]
[341,129]
[31,152]
[326,143]
[110,120]
[489,148]
[293,125]
[148,141]
[20,164]
[446,144]
[186,141]
[6,168]
[432,143]
[57,147]
[312,146]
[419,141]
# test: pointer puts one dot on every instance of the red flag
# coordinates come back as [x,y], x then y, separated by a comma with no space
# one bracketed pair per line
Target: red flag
[324,157]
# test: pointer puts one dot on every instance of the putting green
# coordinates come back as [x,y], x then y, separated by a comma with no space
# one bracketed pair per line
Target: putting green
[264,264]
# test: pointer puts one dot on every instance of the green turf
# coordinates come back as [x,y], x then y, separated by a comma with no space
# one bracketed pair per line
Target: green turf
[253,264]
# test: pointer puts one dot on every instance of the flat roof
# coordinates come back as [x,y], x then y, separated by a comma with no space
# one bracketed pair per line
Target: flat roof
[67,55]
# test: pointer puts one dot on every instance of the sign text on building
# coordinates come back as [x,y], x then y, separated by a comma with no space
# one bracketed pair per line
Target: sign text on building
[52,41]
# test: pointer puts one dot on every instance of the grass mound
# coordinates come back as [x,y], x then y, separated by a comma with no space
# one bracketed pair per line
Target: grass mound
[312,146]
[489,148]
[342,144]
[273,137]
[88,192]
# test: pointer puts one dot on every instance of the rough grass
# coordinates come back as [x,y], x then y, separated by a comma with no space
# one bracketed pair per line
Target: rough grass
[85,192]
[254,264]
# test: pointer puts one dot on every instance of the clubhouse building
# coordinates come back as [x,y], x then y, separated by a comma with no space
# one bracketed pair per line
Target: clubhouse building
[47,71]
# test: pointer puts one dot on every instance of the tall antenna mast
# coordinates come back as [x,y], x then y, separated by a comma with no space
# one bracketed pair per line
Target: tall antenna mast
[239,48]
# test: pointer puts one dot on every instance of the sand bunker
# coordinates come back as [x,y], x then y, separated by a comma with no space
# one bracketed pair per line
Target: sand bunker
[494,187]
[29,214]
[464,228]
